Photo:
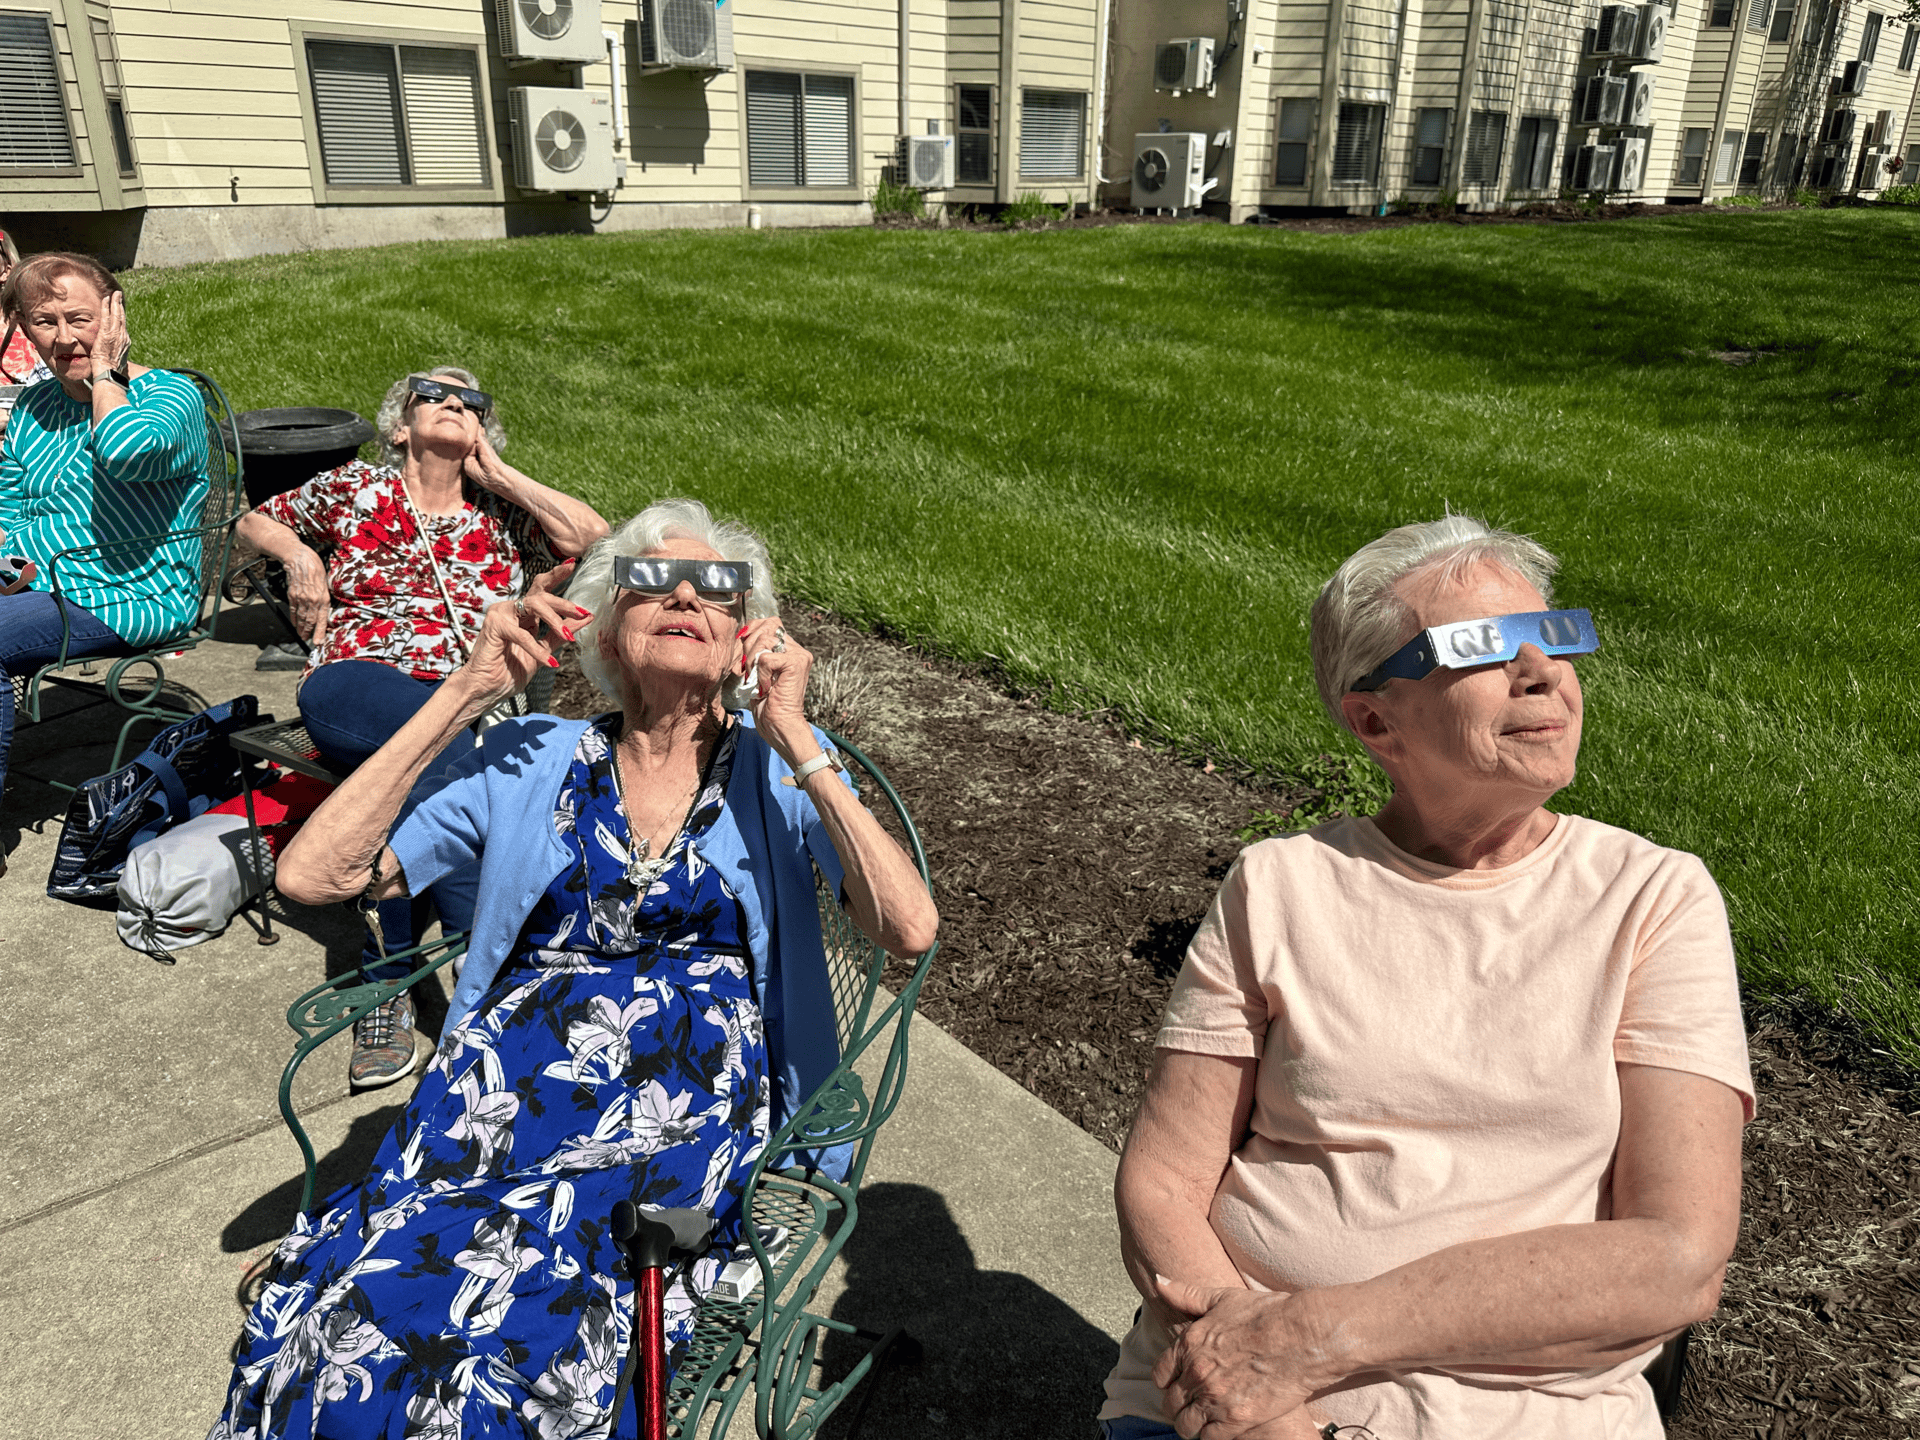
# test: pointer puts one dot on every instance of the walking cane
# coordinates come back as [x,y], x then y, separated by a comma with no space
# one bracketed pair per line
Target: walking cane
[651,1239]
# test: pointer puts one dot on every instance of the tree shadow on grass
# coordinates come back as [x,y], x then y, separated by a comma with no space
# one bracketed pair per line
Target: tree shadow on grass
[1003,1357]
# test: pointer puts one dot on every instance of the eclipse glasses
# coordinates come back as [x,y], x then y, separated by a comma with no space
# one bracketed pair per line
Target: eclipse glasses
[721,581]
[478,401]
[1493,640]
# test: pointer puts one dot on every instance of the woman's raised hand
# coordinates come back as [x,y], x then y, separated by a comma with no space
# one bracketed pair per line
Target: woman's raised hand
[111,344]
[483,463]
[509,647]
[780,696]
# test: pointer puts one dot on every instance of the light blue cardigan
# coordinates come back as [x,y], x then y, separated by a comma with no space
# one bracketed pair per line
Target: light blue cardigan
[507,788]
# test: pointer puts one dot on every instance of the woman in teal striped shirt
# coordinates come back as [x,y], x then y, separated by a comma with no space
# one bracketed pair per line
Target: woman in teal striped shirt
[103,454]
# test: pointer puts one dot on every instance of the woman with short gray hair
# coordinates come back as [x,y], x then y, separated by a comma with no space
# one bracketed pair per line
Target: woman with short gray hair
[1442,1134]
[421,545]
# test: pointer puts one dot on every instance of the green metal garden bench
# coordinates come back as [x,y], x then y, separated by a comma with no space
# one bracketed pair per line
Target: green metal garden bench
[758,1352]
[226,498]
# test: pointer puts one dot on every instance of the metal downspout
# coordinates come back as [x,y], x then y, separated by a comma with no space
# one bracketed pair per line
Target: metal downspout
[1009,107]
[906,66]
[612,37]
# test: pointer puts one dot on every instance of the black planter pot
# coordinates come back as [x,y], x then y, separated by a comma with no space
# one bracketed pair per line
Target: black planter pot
[289,446]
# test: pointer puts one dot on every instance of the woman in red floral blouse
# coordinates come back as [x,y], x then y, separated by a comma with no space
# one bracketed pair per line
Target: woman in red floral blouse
[422,544]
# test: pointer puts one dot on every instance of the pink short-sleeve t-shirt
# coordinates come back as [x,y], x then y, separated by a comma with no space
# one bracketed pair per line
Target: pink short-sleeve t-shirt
[1437,1052]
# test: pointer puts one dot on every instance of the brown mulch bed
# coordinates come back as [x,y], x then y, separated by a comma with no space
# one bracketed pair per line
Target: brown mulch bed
[1072,865]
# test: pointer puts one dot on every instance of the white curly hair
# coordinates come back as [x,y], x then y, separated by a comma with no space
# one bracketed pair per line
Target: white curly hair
[592,585]
[393,410]
[1359,618]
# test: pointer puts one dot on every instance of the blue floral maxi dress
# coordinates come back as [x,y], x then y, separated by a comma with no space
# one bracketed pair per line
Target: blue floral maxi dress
[469,1286]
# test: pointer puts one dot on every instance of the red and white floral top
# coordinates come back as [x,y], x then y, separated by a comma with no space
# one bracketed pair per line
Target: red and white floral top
[386,605]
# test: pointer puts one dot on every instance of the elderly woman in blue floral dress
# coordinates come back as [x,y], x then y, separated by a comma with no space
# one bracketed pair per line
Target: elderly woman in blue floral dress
[645,998]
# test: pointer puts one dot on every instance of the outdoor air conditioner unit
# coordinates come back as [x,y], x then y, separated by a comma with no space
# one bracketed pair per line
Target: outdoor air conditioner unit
[926,161]
[564,30]
[1592,167]
[1650,40]
[1614,33]
[1853,79]
[1637,109]
[1602,99]
[686,35]
[1184,64]
[1169,171]
[562,139]
[1630,163]
[1839,128]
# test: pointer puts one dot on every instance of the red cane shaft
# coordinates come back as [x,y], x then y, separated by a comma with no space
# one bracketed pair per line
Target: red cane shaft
[653,1354]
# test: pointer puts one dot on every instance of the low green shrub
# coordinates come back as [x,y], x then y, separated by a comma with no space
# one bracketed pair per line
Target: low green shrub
[1739,202]
[902,202]
[1901,194]
[1029,209]
[1807,199]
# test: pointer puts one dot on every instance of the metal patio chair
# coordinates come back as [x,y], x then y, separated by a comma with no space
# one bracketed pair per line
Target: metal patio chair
[758,1352]
[218,515]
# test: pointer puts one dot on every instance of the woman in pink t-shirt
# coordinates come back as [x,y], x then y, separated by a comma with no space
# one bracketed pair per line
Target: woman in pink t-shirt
[1442,1135]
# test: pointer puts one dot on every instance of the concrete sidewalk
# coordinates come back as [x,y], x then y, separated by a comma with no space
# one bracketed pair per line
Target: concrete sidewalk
[146,1169]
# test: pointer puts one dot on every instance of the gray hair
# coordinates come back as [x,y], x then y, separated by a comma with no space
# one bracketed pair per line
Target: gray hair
[1359,618]
[592,585]
[394,408]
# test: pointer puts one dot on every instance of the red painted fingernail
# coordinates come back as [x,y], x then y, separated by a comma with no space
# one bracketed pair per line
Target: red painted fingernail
[583,614]
[553,662]
[565,634]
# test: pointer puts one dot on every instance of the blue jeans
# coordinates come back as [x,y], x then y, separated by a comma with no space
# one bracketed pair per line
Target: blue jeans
[351,708]
[30,633]
[1133,1427]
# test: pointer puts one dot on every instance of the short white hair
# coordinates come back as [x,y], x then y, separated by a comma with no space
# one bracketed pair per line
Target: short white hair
[672,519]
[393,411]
[1359,618]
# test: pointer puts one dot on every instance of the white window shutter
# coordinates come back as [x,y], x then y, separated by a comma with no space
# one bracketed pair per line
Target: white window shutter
[1053,134]
[828,144]
[33,104]
[441,92]
[356,103]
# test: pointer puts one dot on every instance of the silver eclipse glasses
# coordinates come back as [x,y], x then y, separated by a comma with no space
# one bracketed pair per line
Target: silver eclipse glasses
[721,581]
[1492,640]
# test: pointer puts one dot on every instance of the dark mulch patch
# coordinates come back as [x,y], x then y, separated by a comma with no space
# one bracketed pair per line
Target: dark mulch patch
[1072,866]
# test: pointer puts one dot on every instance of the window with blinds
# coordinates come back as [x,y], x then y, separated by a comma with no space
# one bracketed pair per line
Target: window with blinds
[1533,149]
[398,115]
[799,129]
[1782,28]
[1729,158]
[1758,13]
[1753,158]
[1356,144]
[1693,155]
[1430,146]
[1870,35]
[1720,15]
[1907,44]
[33,103]
[107,53]
[1294,140]
[1486,140]
[973,135]
[1053,134]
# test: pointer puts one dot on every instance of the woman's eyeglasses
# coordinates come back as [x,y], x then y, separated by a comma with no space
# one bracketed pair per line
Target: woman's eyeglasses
[1492,640]
[719,581]
[478,401]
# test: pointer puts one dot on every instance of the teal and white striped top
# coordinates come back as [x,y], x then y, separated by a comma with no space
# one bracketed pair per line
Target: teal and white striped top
[65,482]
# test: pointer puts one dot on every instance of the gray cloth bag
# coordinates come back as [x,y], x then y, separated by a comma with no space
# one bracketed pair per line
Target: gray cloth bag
[183,887]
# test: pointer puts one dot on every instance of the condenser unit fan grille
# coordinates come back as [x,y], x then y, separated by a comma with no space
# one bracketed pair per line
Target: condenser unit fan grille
[686,27]
[548,19]
[1150,170]
[1172,65]
[928,162]
[561,141]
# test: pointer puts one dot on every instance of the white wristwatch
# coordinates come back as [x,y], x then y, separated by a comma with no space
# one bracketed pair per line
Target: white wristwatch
[807,769]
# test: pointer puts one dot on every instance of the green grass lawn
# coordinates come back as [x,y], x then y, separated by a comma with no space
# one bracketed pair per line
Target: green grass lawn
[1120,462]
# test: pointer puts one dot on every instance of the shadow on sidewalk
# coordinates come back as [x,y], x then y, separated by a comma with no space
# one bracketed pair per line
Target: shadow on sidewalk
[269,1218]
[1004,1357]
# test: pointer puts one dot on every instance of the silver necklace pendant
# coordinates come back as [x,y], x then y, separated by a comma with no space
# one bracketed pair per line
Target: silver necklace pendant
[642,872]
